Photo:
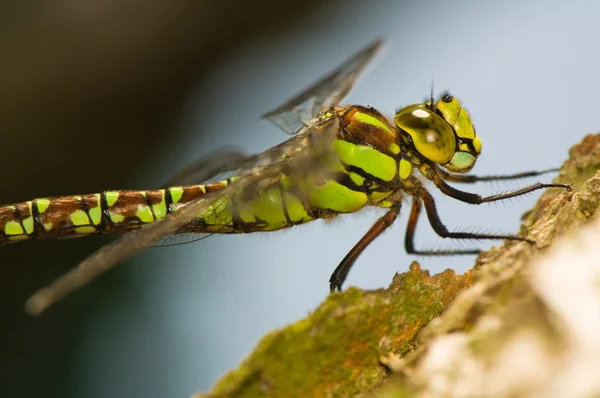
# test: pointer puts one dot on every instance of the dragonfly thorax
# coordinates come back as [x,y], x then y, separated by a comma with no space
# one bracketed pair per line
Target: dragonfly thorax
[442,133]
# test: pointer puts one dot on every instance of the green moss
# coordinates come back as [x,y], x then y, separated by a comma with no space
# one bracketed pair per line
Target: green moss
[337,349]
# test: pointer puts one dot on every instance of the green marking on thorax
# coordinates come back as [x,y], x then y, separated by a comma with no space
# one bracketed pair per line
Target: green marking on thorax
[357,179]
[379,196]
[370,160]
[332,195]
[295,209]
[369,119]
[405,169]
[394,148]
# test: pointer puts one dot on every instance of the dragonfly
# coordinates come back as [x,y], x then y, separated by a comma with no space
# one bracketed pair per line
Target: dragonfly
[339,159]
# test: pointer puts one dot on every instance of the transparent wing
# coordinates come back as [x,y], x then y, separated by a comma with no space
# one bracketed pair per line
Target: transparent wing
[217,166]
[310,151]
[183,236]
[297,113]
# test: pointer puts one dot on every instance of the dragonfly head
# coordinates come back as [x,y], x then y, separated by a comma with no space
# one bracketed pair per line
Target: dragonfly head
[442,133]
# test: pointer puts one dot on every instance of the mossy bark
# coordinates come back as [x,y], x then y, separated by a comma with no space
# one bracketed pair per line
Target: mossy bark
[447,334]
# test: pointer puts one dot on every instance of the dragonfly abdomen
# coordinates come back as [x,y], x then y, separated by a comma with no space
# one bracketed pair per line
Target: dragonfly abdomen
[82,215]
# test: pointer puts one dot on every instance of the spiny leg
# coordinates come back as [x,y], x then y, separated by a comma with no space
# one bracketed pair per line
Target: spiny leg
[470,179]
[440,228]
[339,275]
[476,199]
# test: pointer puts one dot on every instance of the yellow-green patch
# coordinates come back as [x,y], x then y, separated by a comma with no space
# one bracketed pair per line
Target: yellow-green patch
[357,178]
[296,210]
[378,196]
[48,226]
[370,160]
[373,121]
[218,214]
[80,217]
[268,207]
[405,169]
[144,213]
[28,225]
[18,237]
[42,205]
[96,214]
[394,148]
[385,204]
[85,230]
[117,218]
[111,197]
[177,193]
[13,228]
[458,117]
[160,210]
[337,197]
[477,144]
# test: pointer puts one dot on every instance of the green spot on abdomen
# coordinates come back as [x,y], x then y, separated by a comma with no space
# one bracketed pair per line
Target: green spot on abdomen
[176,193]
[96,214]
[111,197]
[18,237]
[13,228]
[42,205]
[85,230]
[28,225]
[117,218]
[144,213]
[80,217]
[160,210]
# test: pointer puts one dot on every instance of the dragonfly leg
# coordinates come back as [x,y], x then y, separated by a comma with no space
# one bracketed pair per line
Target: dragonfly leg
[470,179]
[339,275]
[422,196]
[476,199]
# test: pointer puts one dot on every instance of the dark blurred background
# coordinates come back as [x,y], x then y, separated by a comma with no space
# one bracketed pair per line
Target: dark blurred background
[111,94]
[90,92]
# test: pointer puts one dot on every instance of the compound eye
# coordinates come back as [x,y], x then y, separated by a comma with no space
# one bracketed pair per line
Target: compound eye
[461,162]
[432,136]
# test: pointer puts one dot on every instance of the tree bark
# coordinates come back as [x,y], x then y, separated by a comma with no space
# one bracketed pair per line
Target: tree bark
[525,321]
